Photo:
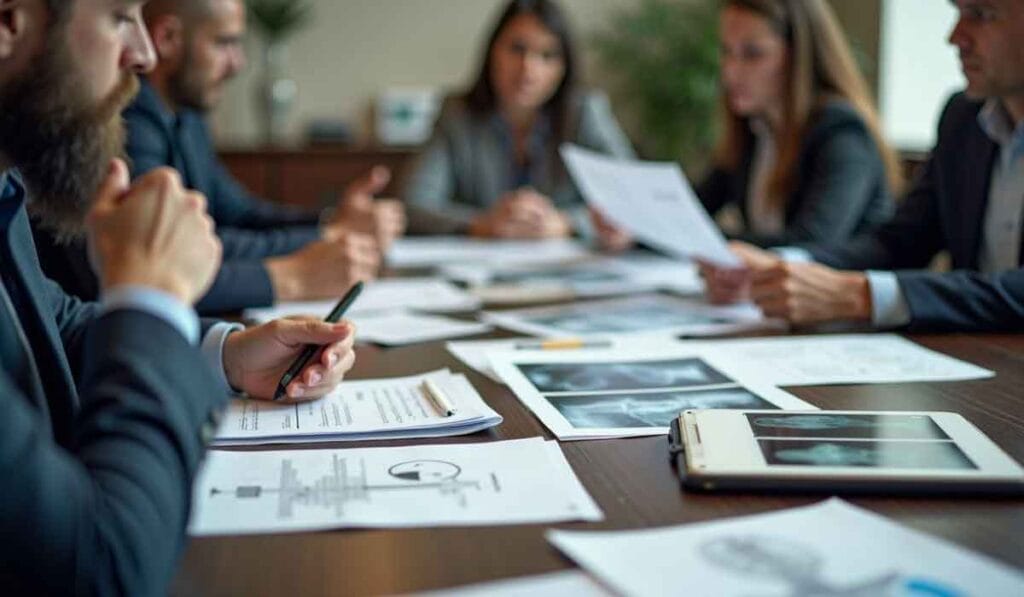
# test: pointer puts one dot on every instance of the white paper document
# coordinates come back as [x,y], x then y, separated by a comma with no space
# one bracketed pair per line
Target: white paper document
[359,410]
[512,482]
[433,295]
[652,201]
[571,583]
[442,250]
[597,277]
[843,359]
[397,328]
[641,314]
[476,354]
[621,392]
[831,548]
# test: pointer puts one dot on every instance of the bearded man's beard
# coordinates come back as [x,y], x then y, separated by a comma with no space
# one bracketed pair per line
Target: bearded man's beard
[60,140]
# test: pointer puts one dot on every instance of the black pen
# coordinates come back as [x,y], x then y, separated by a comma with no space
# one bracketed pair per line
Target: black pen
[310,350]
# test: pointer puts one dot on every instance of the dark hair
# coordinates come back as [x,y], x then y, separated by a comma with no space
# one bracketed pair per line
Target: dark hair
[59,10]
[821,67]
[481,99]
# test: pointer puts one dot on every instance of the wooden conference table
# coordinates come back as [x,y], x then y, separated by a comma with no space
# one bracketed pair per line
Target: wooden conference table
[630,479]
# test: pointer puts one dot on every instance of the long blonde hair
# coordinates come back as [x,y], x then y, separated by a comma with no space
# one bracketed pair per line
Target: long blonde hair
[821,67]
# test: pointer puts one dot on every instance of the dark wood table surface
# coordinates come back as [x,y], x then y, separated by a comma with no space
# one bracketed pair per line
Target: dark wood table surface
[630,479]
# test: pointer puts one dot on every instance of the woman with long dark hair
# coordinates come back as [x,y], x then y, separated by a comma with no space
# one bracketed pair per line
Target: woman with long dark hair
[492,168]
[801,151]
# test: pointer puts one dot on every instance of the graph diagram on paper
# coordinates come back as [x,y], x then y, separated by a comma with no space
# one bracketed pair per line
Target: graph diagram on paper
[265,492]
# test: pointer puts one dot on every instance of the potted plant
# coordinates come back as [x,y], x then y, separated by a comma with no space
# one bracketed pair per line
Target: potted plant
[276,21]
[663,58]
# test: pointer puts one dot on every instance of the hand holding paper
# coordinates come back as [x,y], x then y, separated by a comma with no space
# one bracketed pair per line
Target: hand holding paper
[651,201]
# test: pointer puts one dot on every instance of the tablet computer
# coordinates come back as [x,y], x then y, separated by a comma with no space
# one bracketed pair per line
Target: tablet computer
[839,452]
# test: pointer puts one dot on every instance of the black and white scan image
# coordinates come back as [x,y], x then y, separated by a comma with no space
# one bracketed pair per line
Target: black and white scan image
[601,377]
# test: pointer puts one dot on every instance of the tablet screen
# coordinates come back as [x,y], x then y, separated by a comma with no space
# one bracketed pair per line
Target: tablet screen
[855,440]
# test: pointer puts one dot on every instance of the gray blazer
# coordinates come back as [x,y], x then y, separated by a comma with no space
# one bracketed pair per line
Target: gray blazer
[468,164]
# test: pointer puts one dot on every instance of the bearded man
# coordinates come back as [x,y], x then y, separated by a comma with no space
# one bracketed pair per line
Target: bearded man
[105,408]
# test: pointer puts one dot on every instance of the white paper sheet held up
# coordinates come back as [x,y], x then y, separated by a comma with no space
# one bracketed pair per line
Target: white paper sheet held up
[621,392]
[359,410]
[433,295]
[652,201]
[435,251]
[571,583]
[511,482]
[831,548]
[641,314]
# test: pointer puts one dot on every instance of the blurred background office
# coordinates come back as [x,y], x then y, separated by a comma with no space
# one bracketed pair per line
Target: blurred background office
[363,76]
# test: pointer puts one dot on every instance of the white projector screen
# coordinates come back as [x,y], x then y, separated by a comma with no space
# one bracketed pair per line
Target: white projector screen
[919,69]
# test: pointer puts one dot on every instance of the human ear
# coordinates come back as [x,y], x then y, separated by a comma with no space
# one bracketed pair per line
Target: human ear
[168,34]
[14,24]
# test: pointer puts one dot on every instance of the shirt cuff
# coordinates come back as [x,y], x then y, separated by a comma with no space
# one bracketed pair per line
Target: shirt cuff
[213,351]
[156,303]
[794,254]
[889,307]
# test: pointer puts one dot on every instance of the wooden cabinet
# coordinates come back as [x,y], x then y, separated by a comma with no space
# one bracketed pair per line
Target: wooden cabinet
[311,176]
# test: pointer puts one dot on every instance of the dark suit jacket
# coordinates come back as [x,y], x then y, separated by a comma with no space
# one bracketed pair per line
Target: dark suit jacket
[841,187]
[250,229]
[944,211]
[101,425]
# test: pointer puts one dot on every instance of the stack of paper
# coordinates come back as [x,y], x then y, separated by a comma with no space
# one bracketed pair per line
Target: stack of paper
[397,328]
[360,410]
[617,392]
[832,548]
[512,482]
[597,277]
[644,314]
[436,251]
[389,311]
[432,295]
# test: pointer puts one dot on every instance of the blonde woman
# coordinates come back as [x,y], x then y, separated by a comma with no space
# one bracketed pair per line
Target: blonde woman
[801,152]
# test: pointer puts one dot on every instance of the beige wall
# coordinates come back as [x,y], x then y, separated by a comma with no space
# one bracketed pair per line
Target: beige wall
[354,48]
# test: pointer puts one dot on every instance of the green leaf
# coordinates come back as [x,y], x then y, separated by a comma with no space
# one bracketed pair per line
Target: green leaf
[663,57]
[279,19]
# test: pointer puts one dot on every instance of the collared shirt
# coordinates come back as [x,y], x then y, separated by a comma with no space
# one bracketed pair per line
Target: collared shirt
[1000,249]
[1001,239]
[153,302]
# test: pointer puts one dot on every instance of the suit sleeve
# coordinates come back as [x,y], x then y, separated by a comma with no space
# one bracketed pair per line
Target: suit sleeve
[914,235]
[430,187]
[909,241]
[239,284]
[106,514]
[714,190]
[252,228]
[146,143]
[838,189]
[964,301]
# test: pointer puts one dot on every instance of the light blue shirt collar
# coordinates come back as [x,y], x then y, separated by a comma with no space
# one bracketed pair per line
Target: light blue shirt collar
[999,126]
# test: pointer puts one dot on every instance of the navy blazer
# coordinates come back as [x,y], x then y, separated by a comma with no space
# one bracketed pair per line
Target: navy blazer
[249,228]
[101,434]
[944,211]
[841,186]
